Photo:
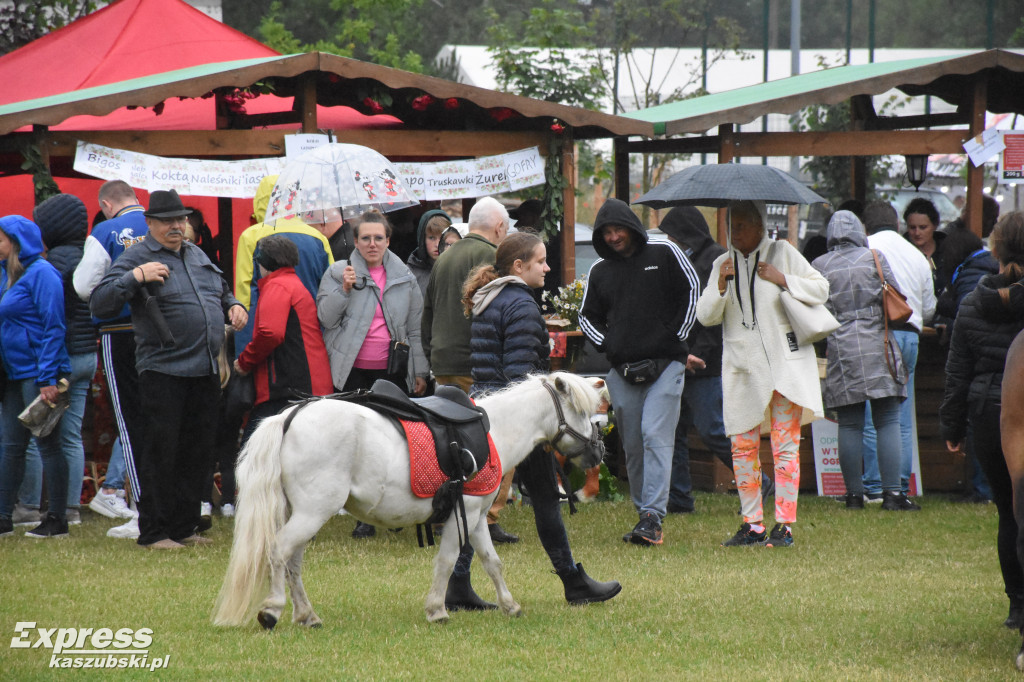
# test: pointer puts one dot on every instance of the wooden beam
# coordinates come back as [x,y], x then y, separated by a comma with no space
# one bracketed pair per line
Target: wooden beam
[220,143]
[568,235]
[677,145]
[305,102]
[850,143]
[952,118]
[726,153]
[976,174]
[621,159]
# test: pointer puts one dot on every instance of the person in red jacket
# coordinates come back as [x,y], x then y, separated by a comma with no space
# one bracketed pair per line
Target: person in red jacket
[287,353]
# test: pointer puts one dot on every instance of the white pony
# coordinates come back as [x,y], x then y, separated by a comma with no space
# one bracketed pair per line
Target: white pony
[339,454]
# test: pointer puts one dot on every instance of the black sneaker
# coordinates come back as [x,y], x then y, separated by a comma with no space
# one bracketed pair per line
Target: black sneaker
[647,531]
[51,527]
[897,502]
[854,501]
[745,537]
[779,537]
[6,526]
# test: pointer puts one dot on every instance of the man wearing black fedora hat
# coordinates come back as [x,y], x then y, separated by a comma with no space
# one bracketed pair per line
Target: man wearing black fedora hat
[179,303]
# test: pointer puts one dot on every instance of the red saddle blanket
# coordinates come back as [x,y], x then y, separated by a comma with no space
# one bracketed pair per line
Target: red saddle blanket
[427,476]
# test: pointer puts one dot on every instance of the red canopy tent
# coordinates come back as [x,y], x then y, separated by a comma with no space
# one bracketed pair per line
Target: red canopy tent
[131,39]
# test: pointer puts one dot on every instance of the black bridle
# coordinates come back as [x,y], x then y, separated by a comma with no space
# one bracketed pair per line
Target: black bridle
[565,430]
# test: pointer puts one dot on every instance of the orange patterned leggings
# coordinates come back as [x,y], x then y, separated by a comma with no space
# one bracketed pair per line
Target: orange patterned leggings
[785,439]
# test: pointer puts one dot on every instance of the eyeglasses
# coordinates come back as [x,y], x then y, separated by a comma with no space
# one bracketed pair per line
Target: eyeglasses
[180,220]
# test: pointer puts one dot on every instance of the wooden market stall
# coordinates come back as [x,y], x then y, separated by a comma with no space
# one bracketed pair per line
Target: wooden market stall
[159,77]
[975,83]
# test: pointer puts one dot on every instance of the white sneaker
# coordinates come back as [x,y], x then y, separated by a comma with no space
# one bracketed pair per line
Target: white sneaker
[227,510]
[205,509]
[129,531]
[74,516]
[111,505]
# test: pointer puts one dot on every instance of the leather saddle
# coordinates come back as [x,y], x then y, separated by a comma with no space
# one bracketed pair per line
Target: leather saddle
[458,426]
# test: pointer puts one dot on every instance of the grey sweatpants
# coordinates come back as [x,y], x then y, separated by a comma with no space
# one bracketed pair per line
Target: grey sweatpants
[646,416]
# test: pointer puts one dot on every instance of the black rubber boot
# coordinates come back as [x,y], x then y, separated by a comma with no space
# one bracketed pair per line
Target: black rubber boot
[580,588]
[461,597]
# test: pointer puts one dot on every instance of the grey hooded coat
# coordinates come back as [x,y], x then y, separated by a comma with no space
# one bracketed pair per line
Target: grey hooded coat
[857,369]
[346,317]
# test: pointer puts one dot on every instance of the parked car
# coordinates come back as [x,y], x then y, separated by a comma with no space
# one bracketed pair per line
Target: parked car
[899,198]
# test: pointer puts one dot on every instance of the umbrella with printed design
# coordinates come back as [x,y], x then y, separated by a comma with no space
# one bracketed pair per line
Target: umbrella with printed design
[336,181]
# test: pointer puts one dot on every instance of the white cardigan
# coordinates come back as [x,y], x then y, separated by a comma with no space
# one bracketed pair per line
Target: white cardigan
[758,361]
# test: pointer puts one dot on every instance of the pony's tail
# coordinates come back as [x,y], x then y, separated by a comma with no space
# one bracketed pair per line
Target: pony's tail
[260,514]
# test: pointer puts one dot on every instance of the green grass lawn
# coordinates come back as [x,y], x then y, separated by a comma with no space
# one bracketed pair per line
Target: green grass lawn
[862,596]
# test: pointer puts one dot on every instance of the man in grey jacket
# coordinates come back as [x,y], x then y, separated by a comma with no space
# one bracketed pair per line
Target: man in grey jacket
[179,302]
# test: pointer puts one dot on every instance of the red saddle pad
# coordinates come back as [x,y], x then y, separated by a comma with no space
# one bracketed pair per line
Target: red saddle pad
[427,476]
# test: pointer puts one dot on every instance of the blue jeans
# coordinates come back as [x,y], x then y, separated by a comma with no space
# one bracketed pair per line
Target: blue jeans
[83,368]
[701,407]
[17,396]
[116,467]
[908,344]
[646,416]
[886,417]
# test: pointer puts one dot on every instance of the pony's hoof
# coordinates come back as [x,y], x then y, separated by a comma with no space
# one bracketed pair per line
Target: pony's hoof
[438,617]
[515,611]
[266,620]
[1020,658]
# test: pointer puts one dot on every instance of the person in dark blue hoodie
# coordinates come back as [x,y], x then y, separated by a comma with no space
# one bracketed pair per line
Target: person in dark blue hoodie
[639,305]
[34,359]
[64,223]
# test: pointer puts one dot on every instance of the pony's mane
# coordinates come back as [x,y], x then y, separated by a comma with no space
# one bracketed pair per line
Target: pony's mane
[582,397]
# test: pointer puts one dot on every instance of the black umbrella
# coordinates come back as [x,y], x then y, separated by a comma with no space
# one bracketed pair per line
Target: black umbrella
[718,184]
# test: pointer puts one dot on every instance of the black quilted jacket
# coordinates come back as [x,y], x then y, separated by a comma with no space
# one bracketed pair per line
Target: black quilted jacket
[984,329]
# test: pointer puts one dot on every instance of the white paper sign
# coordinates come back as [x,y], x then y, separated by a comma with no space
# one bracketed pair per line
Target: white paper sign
[825,434]
[465,179]
[449,179]
[299,144]
[524,168]
[983,147]
[411,175]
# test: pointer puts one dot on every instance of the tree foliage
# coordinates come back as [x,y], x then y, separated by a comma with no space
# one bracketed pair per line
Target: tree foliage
[379,31]
[22,22]
[534,56]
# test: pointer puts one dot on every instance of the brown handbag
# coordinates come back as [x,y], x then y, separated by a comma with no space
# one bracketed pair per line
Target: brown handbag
[897,310]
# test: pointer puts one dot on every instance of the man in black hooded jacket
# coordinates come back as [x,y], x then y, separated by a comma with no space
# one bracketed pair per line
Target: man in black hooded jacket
[638,308]
[702,396]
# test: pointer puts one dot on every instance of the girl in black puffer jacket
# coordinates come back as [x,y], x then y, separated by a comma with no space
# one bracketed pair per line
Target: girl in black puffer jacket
[985,326]
[509,341]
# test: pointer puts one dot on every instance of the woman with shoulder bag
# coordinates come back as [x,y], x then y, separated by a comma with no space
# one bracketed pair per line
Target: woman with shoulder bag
[858,368]
[765,370]
[370,309]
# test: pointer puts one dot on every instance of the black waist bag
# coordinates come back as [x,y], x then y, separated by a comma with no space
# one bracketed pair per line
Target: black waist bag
[642,371]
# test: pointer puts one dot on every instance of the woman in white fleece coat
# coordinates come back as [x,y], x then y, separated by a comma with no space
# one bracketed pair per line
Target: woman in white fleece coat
[765,372]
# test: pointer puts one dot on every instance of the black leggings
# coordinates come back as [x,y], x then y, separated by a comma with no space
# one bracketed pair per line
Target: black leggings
[537,473]
[988,448]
